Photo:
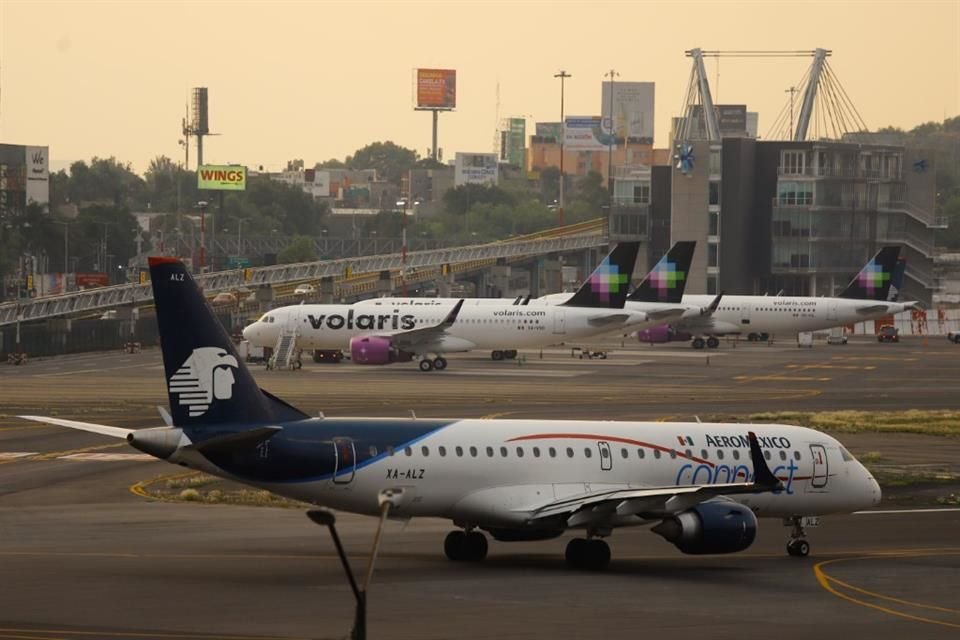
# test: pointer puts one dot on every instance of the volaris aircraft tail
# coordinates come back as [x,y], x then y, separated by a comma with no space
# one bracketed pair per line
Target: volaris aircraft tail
[668,278]
[607,286]
[207,381]
[873,281]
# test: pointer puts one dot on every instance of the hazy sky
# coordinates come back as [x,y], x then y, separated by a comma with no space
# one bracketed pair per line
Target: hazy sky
[317,80]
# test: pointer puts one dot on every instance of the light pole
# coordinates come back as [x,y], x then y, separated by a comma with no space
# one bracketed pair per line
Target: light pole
[203,235]
[403,247]
[563,75]
[239,232]
[611,74]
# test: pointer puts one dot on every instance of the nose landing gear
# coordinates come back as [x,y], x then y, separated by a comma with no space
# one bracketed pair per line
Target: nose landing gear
[797,546]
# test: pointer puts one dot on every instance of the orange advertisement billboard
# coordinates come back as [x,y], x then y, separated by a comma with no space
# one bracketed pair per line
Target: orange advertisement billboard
[436,88]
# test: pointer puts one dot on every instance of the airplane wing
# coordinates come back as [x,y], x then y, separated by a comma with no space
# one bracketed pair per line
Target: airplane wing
[654,502]
[613,318]
[412,337]
[873,308]
[102,429]
[667,314]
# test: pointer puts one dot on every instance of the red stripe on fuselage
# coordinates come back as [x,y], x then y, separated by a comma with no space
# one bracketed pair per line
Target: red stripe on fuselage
[639,443]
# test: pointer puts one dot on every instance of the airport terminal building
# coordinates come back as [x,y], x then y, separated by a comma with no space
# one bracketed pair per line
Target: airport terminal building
[802,216]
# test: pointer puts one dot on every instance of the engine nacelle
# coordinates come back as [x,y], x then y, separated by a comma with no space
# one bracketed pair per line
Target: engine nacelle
[711,527]
[376,350]
[662,333]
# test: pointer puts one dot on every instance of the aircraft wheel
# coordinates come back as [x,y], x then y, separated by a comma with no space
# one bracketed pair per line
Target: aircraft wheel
[476,547]
[426,364]
[440,363]
[496,355]
[712,342]
[510,355]
[455,545]
[798,548]
[598,555]
[576,552]
[697,343]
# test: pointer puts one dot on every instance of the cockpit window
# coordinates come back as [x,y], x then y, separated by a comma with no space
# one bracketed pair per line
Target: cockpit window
[845,455]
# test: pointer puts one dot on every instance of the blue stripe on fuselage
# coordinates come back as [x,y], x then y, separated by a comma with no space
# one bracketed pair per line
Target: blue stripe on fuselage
[303,451]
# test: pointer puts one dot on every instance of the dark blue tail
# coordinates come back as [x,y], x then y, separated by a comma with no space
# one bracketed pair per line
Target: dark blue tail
[873,281]
[607,286]
[207,382]
[668,278]
[896,280]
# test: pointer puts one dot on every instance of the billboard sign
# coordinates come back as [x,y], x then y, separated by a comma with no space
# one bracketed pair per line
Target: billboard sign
[732,118]
[585,133]
[38,175]
[549,130]
[475,168]
[230,177]
[632,109]
[515,138]
[436,88]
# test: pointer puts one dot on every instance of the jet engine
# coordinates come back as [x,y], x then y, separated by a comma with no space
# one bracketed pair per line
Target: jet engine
[376,350]
[662,333]
[711,527]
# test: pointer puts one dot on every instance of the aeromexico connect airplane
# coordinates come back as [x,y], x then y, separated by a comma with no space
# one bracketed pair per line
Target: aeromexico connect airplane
[867,297]
[701,486]
[387,331]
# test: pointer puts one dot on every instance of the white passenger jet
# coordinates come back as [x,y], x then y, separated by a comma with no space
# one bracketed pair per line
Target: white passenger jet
[865,298]
[699,486]
[386,331]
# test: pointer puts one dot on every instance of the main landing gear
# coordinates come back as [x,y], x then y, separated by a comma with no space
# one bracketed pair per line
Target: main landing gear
[711,342]
[509,354]
[588,553]
[465,546]
[797,546]
[439,363]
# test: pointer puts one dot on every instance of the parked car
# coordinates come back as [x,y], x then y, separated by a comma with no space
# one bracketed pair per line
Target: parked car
[304,290]
[953,336]
[888,333]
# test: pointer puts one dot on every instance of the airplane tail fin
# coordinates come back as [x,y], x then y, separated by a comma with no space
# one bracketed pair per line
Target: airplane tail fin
[608,284]
[208,383]
[896,280]
[873,281]
[668,278]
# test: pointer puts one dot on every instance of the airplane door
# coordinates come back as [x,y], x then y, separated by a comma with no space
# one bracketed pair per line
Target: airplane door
[559,321]
[345,461]
[606,458]
[820,466]
[831,311]
[745,313]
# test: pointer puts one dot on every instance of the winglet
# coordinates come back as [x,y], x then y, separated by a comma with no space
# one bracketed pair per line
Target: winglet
[762,476]
[711,308]
[452,316]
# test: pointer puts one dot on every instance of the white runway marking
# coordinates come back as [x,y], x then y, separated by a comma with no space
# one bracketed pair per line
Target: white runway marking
[10,455]
[107,457]
[902,511]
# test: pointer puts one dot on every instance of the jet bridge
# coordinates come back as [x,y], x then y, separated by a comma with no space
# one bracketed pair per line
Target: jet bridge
[133,294]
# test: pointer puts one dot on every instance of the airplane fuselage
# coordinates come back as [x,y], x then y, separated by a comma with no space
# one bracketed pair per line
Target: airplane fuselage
[496,473]
[478,325]
[778,314]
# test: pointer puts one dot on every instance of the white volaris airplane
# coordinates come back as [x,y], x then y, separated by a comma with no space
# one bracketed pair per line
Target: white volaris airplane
[388,331]
[865,298]
[701,486]
[658,296]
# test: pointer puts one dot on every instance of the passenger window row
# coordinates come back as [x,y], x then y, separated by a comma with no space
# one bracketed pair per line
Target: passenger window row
[552,452]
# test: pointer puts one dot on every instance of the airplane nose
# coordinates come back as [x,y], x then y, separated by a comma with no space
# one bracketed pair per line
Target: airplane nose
[877,491]
[248,332]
